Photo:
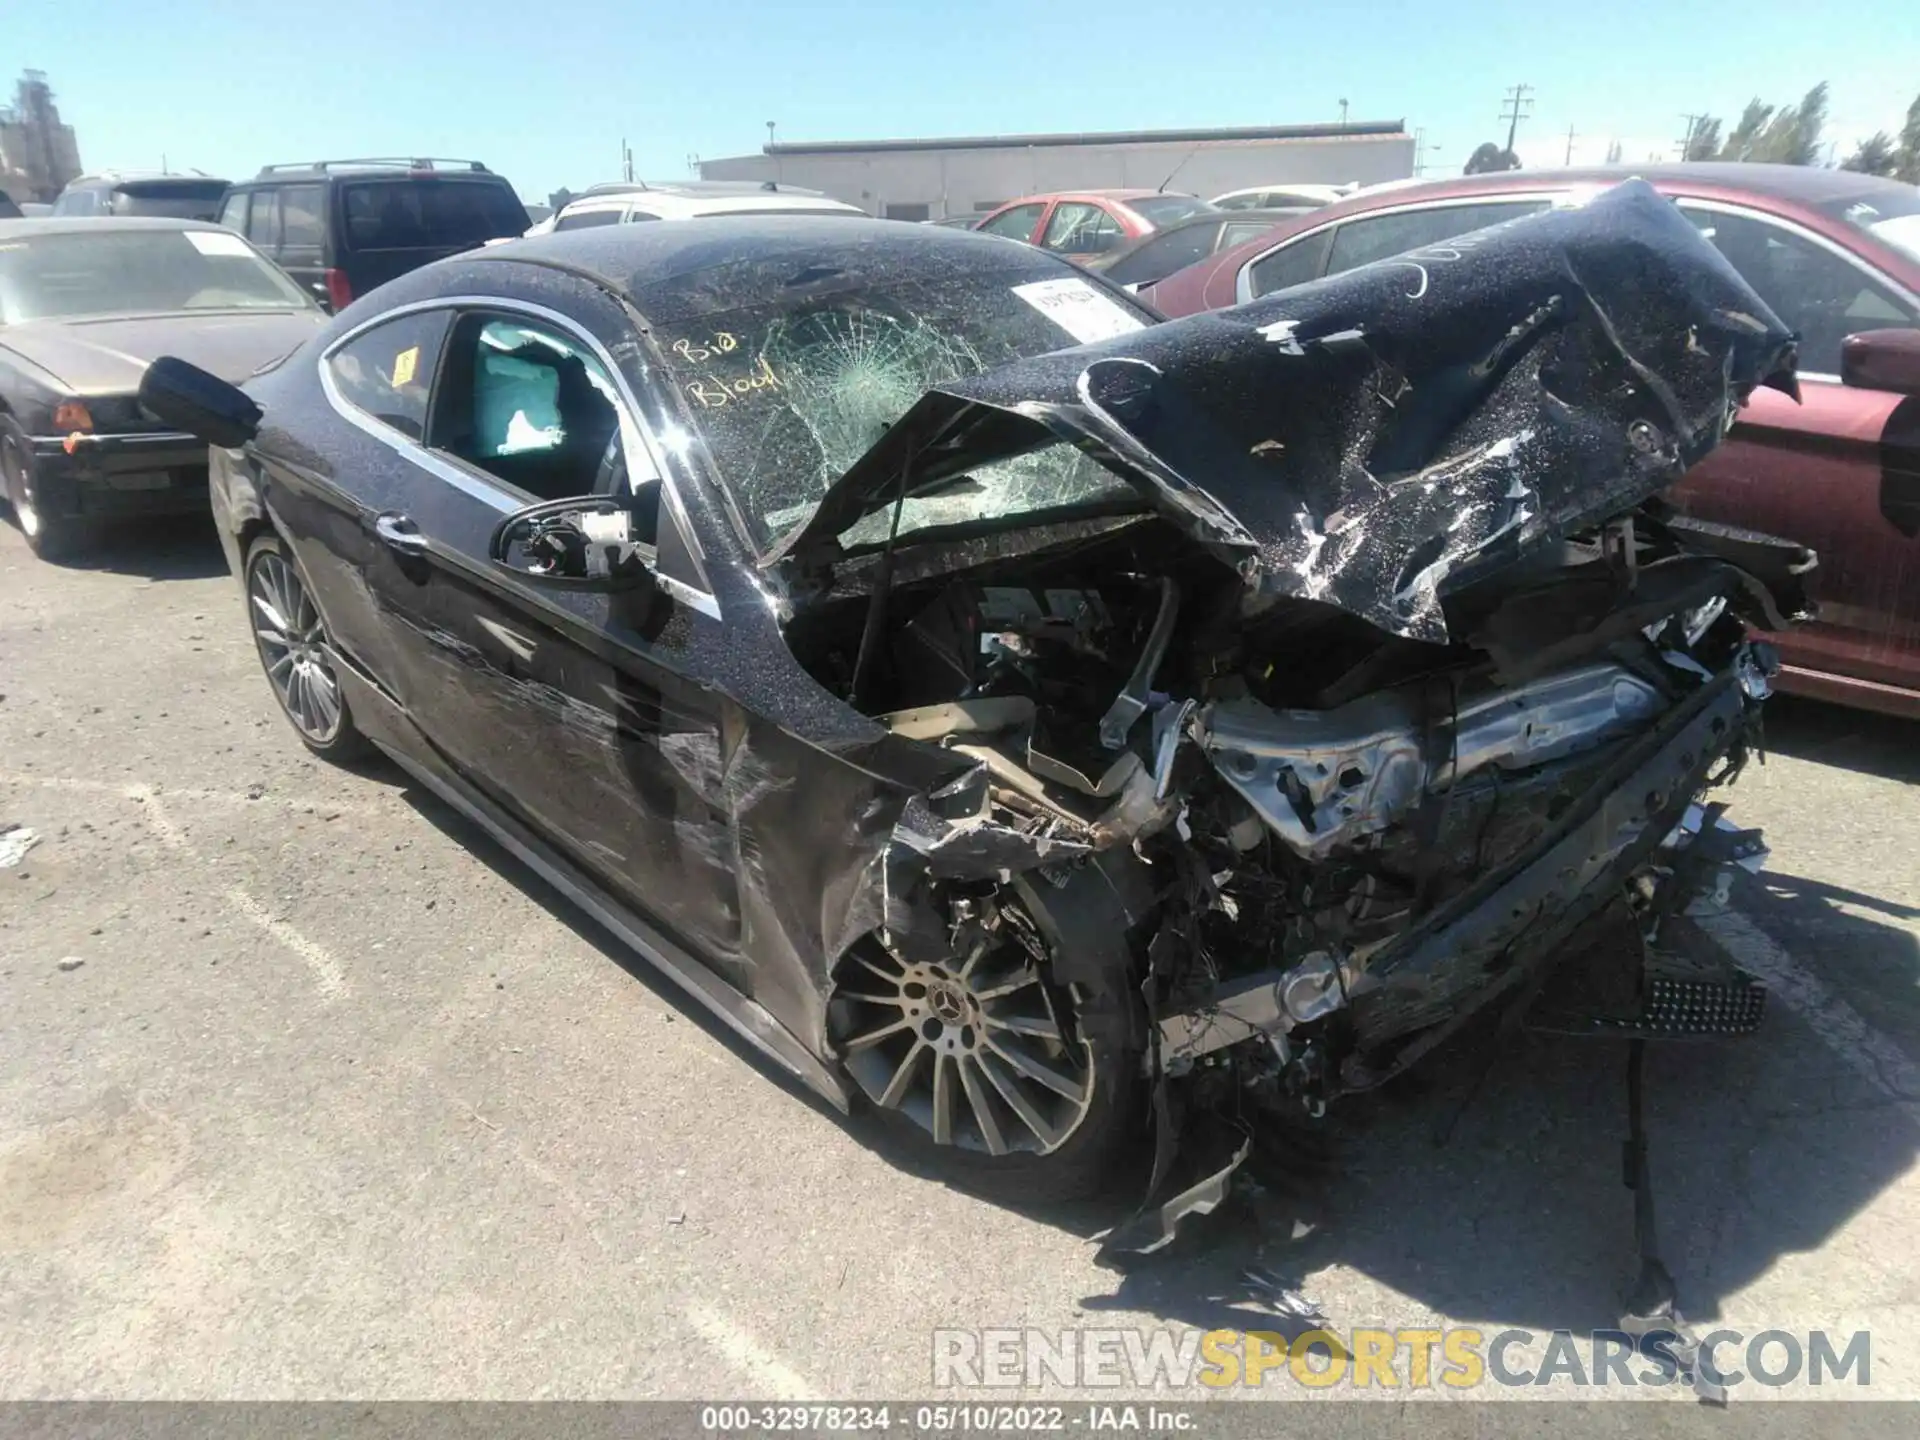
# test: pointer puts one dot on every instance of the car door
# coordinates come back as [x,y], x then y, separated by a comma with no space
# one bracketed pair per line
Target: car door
[1825,472]
[233,211]
[571,710]
[1017,222]
[1080,230]
[303,234]
[263,232]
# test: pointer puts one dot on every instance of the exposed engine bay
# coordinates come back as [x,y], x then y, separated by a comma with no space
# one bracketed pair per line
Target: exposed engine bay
[1289,803]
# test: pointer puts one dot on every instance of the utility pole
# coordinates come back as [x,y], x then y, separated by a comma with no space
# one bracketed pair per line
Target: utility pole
[626,160]
[1569,159]
[1343,113]
[1515,108]
[1693,126]
[769,134]
[1420,150]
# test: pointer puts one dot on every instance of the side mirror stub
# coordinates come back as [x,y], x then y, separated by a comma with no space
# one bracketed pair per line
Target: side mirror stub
[579,543]
[190,399]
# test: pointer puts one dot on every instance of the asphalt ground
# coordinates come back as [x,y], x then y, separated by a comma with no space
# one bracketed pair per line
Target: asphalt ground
[309,1091]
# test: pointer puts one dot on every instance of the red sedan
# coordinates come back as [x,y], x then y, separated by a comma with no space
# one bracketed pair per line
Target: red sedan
[1837,256]
[1080,224]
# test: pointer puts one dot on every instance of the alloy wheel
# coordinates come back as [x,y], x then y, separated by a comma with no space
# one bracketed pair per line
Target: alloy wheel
[20,493]
[292,642]
[971,1049]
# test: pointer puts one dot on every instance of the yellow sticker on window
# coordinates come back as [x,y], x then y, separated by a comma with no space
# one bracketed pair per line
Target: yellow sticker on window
[404,365]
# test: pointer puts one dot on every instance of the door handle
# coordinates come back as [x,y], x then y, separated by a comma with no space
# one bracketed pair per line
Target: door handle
[400,534]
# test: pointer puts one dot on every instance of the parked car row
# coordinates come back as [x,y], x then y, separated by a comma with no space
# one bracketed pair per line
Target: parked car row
[1835,254]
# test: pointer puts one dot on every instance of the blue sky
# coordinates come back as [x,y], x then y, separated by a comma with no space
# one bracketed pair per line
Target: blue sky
[543,92]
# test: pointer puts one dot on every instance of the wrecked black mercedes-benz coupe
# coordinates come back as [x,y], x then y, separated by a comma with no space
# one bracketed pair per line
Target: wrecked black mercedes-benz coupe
[1017,713]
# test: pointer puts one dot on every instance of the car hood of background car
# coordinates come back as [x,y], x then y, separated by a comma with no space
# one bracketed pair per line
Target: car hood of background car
[109,355]
[1377,438]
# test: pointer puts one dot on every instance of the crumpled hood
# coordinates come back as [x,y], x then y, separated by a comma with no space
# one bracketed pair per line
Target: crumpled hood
[108,356]
[1376,438]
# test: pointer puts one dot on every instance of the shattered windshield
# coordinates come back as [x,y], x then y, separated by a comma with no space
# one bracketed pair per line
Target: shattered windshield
[790,391]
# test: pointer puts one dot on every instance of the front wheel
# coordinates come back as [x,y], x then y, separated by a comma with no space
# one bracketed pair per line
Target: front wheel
[295,651]
[50,537]
[980,1065]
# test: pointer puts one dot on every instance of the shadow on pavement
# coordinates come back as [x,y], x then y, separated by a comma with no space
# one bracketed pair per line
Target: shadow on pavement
[181,547]
[1857,740]
[507,866]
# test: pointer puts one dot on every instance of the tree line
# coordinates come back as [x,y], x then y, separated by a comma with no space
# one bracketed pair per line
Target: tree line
[1773,134]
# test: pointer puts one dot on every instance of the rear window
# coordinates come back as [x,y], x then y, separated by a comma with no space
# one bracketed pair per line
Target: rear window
[586,219]
[1888,212]
[1368,238]
[428,214]
[1160,255]
[173,199]
[1160,210]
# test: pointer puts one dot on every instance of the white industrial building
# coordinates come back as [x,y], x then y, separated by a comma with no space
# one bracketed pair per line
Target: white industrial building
[932,179]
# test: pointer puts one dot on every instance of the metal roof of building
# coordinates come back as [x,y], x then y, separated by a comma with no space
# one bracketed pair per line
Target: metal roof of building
[1354,130]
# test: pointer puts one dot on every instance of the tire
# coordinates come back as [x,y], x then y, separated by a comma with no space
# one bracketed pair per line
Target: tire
[876,989]
[292,641]
[52,538]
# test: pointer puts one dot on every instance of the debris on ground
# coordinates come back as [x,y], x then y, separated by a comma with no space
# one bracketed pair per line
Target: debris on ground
[1282,1297]
[15,841]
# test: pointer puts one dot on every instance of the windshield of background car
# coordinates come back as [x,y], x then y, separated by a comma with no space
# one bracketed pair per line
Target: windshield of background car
[793,366]
[421,214]
[170,200]
[1165,209]
[137,272]
[1889,213]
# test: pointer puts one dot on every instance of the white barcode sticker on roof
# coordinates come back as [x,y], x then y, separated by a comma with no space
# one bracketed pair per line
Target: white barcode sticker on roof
[1079,309]
[217,242]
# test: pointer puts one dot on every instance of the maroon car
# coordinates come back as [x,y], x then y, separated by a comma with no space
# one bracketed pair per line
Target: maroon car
[1081,224]
[1837,256]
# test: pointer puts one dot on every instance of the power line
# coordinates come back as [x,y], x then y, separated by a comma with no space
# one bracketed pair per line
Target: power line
[1693,128]
[1515,108]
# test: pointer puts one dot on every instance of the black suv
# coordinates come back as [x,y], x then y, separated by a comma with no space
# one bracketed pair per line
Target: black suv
[341,227]
[171,196]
